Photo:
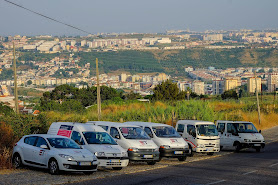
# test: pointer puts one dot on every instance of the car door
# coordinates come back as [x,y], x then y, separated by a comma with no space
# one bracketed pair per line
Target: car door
[191,136]
[40,154]
[222,133]
[230,137]
[28,149]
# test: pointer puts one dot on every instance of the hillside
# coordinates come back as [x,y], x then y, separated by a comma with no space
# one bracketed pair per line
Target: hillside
[170,61]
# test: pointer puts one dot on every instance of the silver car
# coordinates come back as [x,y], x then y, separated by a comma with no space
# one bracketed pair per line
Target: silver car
[56,153]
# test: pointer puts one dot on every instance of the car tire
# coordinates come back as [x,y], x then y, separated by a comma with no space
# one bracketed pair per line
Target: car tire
[53,167]
[88,172]
[16,161]
[151,162]
[190,153]
[182,158]
[210,153]
[117,168]
[238,147]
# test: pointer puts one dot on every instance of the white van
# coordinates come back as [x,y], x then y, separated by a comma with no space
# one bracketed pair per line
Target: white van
[201,136]
[133,139]
[96,140]
[236,135]
[170,143]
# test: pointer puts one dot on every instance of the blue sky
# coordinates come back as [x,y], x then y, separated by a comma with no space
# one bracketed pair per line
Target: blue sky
[148,16]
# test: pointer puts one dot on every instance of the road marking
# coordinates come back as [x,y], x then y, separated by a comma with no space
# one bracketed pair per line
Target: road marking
[273,165]
[249,172]
[216,182]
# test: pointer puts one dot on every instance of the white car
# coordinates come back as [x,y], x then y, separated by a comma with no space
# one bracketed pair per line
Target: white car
[56,153]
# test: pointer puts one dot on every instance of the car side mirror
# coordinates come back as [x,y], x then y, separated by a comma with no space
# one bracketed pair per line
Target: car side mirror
[81,147]
[260,131]
[151,135]
[117,136]
[43,147]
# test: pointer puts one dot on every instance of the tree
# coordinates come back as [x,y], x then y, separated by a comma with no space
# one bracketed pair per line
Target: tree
[230,94]
[167,90]
[133,96]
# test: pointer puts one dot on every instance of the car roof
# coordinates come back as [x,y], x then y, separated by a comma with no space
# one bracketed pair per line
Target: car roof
[109,123]
[46,136]
[194,122]
[80,126]
[225,121]
[146,123]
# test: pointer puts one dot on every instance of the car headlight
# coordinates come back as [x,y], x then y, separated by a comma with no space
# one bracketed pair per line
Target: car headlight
[133,149]
[165,146]
[100,154]
[186,146]
[67,157]
[156,149]
[247,140]
[217,145]
[124,154]
[201,146]
[94,157]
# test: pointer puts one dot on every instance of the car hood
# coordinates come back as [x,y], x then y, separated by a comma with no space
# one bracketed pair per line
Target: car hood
[77,154]
[142,144]
[172,142]
[105,148]
[251,136]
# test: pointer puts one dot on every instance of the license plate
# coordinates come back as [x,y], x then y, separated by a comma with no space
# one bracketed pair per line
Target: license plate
[148,156]
[178,152]
[85,163]
[257,144]
[115,161]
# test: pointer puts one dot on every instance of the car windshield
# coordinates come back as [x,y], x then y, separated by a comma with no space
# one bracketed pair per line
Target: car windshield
[164,131]
[207,130]
[245,128]
[99,138]
[134,133]
[62,143]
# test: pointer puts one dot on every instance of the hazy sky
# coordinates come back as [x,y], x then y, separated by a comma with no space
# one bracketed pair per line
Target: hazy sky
[146,16]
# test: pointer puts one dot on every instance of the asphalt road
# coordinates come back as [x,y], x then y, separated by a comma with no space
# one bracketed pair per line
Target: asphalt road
[246,167]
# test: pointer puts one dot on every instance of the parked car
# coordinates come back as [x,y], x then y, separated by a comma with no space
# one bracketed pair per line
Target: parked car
[133,139]
[56,153]
[236,135]
[170,143]
[202,136]
[96,140]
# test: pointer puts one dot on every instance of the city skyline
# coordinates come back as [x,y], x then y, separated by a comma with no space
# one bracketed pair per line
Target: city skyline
[142,17]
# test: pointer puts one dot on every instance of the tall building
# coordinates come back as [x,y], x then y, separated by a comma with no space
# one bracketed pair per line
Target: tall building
[272,82]
[198,87]
[123,77]
[213,37]
[230,84]
[217,86]
[251,85]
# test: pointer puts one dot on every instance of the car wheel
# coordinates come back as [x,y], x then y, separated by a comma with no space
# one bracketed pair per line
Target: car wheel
[190,153]
[17,162]
[53,167]
[151,163]
[210,153]
[238,147]
[88,173]
[117,168]
[182,158]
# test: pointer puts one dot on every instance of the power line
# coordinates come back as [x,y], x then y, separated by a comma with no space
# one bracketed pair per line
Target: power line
[52,19]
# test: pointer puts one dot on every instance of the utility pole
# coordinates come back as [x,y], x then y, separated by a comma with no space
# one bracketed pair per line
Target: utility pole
[98,93]
[257,95]
[15,85]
